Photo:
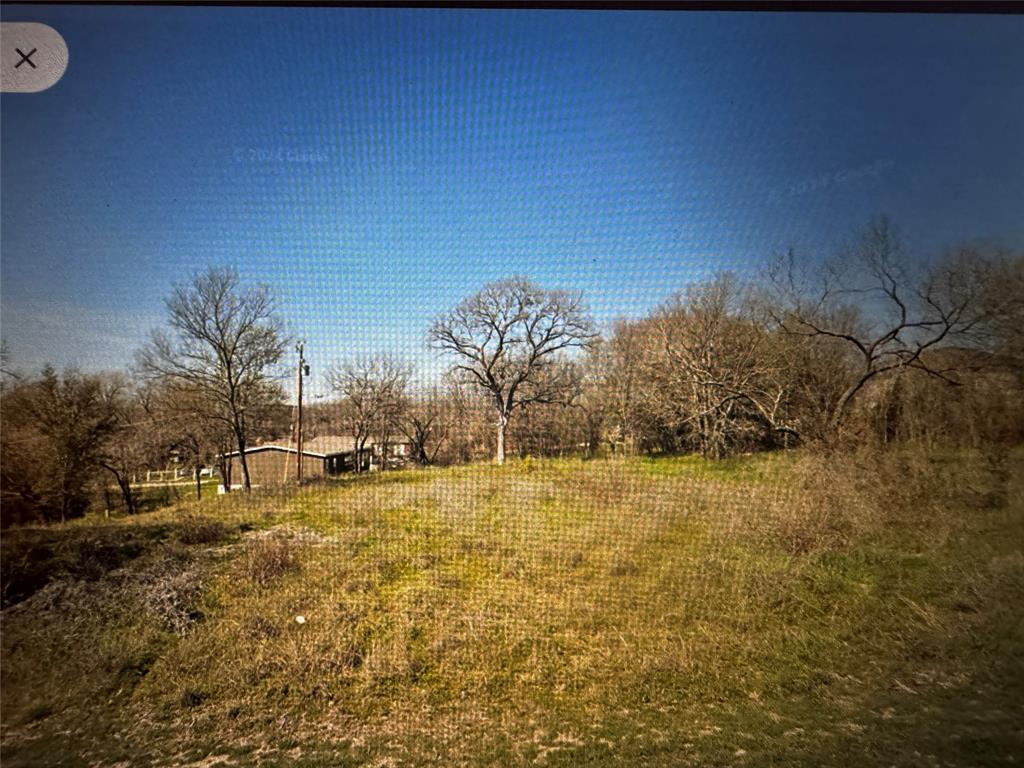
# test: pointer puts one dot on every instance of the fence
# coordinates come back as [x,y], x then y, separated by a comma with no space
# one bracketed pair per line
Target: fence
[171,475]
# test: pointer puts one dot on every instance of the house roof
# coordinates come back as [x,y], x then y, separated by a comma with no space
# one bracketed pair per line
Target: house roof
[319,447]
[330,444]
[274,447]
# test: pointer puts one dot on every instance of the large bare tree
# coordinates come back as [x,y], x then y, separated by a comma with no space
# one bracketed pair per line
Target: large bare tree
[223,342]
[507,339]
[887,318]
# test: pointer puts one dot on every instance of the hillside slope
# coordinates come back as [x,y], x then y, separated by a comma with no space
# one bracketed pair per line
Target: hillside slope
[669,611]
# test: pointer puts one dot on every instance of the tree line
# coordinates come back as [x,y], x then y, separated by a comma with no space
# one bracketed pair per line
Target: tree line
[867,346]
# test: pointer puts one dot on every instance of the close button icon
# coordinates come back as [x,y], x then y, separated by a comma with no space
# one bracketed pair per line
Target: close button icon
[26,58]
[32,57]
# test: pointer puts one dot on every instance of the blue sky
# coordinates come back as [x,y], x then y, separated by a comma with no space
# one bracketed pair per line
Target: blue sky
[377,166]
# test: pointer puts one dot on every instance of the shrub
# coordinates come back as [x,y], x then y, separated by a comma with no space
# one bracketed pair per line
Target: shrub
[849,495]
[32,558]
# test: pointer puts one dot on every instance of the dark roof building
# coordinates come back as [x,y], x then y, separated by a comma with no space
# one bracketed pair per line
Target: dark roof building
[275,463]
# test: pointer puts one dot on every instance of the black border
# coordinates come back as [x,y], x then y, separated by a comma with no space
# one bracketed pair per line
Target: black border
[774,6]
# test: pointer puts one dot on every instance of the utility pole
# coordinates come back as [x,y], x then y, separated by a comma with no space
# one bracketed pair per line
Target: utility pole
[302,371]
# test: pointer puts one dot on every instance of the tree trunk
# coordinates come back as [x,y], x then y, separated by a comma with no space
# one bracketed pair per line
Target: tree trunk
[499,456]
[224,464]
[126,493]
[199,483]
[842,405]
[246,482]
[360,449]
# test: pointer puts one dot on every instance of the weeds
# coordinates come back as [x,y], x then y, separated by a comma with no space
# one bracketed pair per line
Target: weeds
[191,698]
[201,530]
[33,557]
[563,611]
[267,559]
[169,587]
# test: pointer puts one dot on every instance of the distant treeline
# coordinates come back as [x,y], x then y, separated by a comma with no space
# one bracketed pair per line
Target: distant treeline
[864,347]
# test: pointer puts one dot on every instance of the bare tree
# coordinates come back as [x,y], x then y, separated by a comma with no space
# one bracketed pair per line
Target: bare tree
[883,316]
[1002,302]
[712,371]
[224,339]
[470,411]
[131,445]
[596,413]
[373,389]
[7,373]
[182,427]
[554,429]
[613,373]
[507,339]
[426,422]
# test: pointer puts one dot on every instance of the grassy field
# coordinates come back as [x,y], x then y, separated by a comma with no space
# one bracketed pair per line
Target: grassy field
[152,496]
[780,610]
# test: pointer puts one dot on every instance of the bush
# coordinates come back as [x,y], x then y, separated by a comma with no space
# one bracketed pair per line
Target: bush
[31,558]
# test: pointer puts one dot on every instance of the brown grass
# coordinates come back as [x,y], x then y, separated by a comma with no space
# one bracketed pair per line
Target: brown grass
[511,616]
[202,530]
[268,558]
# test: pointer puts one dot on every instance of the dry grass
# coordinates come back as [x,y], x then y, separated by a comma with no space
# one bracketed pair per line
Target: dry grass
[202,530]
[608,612]
[269,558]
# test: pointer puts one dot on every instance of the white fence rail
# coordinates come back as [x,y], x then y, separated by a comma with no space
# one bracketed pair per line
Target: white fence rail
[171,475]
